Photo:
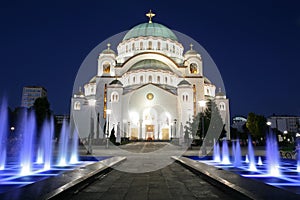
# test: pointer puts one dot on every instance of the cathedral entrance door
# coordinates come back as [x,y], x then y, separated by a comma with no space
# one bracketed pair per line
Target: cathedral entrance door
[149,132]
[165,133]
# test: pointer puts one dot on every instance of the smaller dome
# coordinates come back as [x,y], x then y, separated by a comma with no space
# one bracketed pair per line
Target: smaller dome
[108,50]
[191,51]
[183,82]
[220,95]
[150,64]
[116,82]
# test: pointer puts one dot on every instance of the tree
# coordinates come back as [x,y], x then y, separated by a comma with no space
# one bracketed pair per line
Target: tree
[212,121]
[42,110]
[256,124]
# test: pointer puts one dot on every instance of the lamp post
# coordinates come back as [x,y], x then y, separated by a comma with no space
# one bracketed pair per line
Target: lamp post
[92,103]
[202,104]
[269,126]
[108,112]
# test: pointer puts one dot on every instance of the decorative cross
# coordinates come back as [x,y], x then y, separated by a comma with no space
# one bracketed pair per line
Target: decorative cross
[108,46]
[191,45]
[150,15]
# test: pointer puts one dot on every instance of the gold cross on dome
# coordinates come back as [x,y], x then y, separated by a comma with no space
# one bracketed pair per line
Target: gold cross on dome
[150,15]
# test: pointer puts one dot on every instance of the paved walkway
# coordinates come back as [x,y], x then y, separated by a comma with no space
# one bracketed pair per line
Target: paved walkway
[170,182]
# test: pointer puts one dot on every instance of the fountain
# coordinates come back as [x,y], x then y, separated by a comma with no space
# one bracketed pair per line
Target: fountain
[252,166]
[272,155]
[225,153]
[217,157]
[63,144]
[237,153]
[27,145]
[3,134]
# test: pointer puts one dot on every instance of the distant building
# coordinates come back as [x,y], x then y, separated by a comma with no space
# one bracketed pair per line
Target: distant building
[30,94]
[285,123]
[238,122]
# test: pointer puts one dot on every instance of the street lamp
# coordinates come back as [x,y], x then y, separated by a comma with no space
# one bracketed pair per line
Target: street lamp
[269,126]
[175,120]
[92,103]
[202,105]
[108,112]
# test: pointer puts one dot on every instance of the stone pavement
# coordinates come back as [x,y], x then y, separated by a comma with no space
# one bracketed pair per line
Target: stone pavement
[168,182]
[171,182]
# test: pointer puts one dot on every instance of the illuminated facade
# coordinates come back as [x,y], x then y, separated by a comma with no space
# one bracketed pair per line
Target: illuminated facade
[149,89]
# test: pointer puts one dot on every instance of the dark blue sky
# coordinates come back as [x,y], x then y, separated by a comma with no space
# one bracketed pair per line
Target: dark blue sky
[255,44]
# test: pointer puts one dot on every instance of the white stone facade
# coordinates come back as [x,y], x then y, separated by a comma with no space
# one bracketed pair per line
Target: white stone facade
[148,89]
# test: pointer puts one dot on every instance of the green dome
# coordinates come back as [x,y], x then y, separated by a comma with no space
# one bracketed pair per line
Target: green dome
[150,64]
[150,29]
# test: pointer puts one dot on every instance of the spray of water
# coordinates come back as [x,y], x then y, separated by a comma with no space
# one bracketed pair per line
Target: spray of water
[3,134]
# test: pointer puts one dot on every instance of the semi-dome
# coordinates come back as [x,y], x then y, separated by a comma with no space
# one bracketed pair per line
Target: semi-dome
[150,64]
[150,29]
[116,82]
[183,82]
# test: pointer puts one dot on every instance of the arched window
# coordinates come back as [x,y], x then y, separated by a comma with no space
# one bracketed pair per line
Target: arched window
[193,68]
[173,49]
[185,97]
[150,79]
[167,46]
[141,79]
[222,106]
[141,45]
[166,80]
[207,91]
[150,45]
[133,80]
[133,47]
[114,97]
[158,45]
[128,80]
[158,79]
[77,105]
[106,67]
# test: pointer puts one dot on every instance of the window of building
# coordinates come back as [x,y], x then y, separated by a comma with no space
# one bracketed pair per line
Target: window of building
[114,97]
[133,47]
[150,45]
[141,45]
[150,79]
[193,68]
[222,106]
[106,67]
[158,45]
[141,79]
[133,80]
[166,80]
[158,79]
[77,105]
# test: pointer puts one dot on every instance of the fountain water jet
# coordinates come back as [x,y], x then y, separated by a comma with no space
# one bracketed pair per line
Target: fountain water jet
[252,165]
[216,155]
[225,153]
[48,132]
[74,152]
[272,155]
[259,161]
[27,145]
[3,134]
[237,153]
[63,144]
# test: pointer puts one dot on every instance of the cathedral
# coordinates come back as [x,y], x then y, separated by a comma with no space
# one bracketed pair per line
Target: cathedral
[148,90]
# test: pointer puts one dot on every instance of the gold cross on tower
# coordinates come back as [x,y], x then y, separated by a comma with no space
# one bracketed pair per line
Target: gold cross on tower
[150,15]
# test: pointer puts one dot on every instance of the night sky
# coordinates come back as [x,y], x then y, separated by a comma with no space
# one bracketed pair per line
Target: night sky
[255,44]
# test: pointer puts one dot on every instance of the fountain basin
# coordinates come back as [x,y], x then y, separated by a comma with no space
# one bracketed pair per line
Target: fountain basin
[228,177]
[48,184]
